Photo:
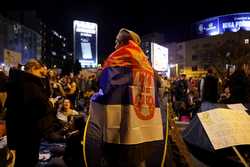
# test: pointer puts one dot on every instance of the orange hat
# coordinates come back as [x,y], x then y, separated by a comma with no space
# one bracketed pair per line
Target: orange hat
[135,37]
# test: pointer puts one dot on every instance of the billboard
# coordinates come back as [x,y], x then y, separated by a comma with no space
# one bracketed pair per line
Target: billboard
[85,43]
[220,24]
[208,27]
[159,57]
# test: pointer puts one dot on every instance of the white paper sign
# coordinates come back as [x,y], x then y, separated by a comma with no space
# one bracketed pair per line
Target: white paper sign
[226,127]
[238,107]
[11,57]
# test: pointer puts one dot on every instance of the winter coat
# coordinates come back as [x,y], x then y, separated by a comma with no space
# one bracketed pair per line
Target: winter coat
[28,109]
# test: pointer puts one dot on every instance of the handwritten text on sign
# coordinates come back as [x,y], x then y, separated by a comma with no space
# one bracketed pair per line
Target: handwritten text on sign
[225,127]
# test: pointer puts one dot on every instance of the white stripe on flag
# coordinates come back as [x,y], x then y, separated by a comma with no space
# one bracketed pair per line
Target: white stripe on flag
[122,126]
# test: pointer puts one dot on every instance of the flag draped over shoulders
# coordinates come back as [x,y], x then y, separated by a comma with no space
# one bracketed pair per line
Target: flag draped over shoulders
[127,99]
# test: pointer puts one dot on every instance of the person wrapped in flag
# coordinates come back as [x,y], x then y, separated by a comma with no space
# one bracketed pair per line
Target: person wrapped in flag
[125,113]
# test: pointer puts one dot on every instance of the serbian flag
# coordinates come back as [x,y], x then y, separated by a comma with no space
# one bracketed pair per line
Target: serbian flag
[126,105]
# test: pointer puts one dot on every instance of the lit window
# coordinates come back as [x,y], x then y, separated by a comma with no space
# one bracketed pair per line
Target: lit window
[247,41]
[53,53]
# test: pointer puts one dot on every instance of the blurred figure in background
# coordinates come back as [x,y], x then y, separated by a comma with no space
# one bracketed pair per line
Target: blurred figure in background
[209,90]
[3,94]
[238,85]
[209,87]
[71,90]
[180,96]
[225,96]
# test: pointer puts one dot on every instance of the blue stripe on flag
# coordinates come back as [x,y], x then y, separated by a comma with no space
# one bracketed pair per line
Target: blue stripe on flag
[114,85]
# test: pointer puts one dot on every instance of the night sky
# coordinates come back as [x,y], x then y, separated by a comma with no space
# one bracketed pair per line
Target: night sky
[173,18]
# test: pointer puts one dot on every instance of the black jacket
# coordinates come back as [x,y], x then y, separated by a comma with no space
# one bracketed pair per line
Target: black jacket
[210,89]
[28,108]
[238,84]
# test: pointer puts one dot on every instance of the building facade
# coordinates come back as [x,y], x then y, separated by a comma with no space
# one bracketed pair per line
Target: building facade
[218,42]
[55,52]
[18,43]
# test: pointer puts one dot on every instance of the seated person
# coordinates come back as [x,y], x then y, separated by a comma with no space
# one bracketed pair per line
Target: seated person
[225,96]
[193,102]
[66,112]
[64,123]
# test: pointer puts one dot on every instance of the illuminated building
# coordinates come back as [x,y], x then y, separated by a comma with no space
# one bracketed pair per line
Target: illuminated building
[55,50]
[19,42]
[217,42]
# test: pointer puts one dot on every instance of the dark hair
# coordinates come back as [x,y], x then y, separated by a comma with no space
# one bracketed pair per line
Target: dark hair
[71,105]
[33,63]
[210,70]
[124,37]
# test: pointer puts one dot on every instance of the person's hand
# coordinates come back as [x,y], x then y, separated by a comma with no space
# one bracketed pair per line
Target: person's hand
[11,157]
[55,85]
[96,95]
[53,101]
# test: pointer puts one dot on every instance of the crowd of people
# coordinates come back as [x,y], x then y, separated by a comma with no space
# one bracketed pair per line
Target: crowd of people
[38,103]
[190,96]
[41,104]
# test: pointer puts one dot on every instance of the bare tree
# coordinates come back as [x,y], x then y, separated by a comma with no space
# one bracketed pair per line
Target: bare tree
[232,52]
